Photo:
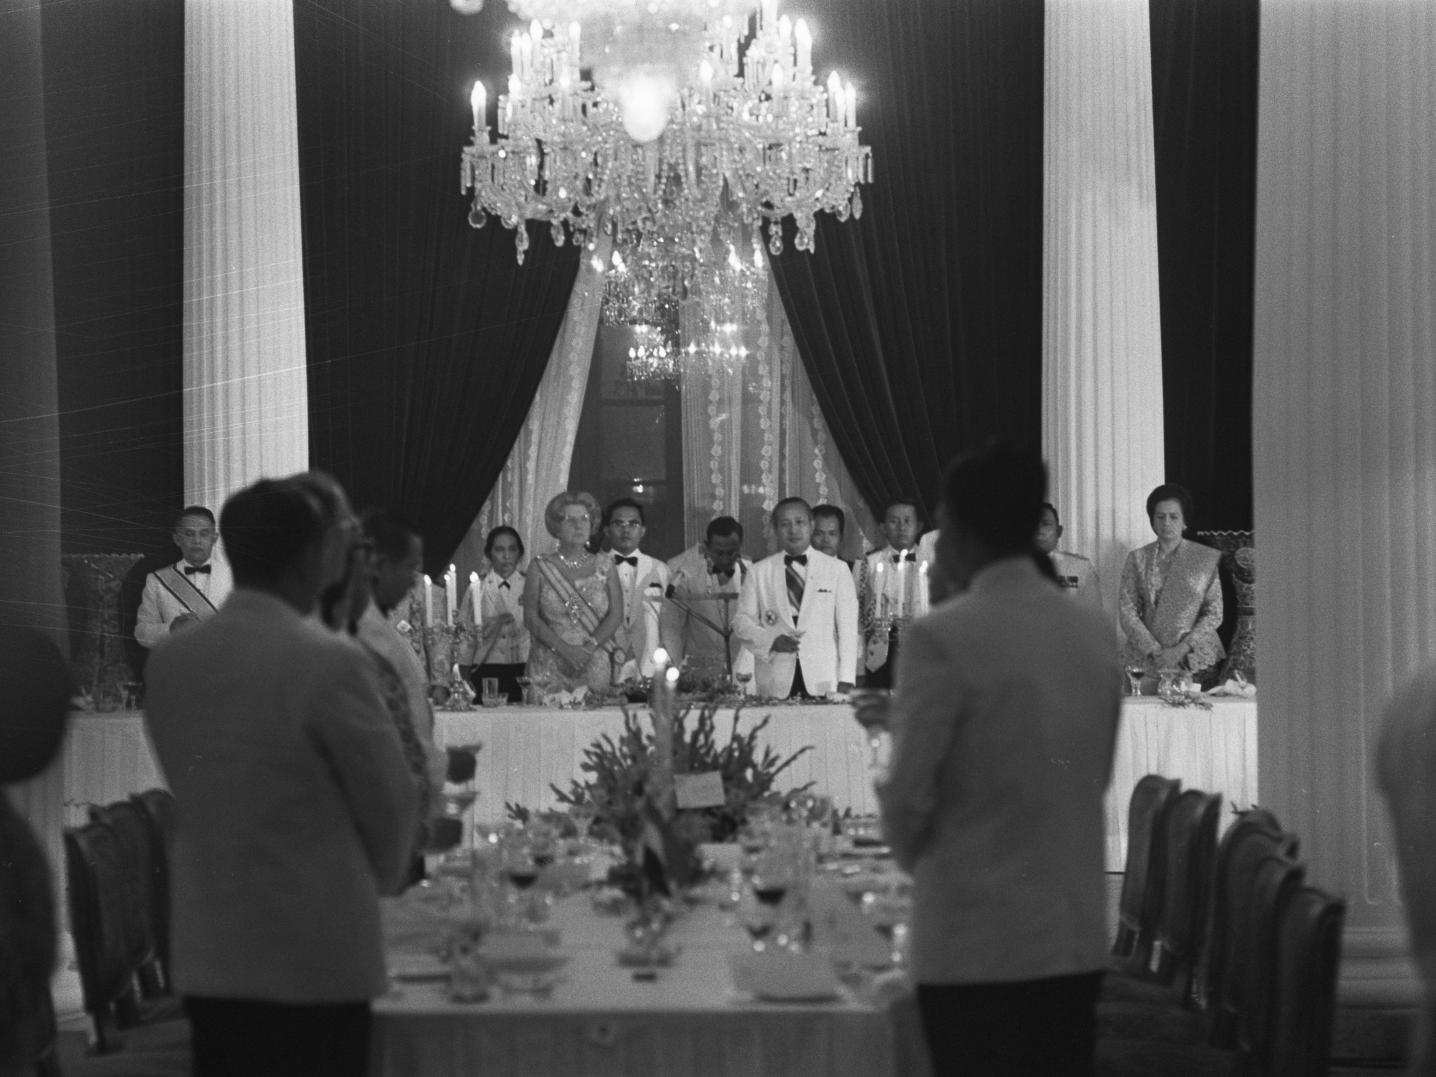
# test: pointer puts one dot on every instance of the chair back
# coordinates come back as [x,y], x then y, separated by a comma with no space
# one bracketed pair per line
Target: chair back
[158,806]
[1141,900]
[1250,990]
[1308,953]
[1189,859]
[111,932]
[144,857]
[1254,836]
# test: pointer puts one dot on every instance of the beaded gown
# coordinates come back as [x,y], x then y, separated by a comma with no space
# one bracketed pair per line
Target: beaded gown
[547,670]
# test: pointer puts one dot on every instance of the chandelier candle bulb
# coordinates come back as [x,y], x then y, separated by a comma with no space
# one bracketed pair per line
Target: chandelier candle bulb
[835,98]
[851,94]
[804,38]
[479,102]
[476,600]
[769,10]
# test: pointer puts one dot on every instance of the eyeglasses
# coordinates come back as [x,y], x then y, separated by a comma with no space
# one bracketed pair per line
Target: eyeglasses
[191,533]
[625,525]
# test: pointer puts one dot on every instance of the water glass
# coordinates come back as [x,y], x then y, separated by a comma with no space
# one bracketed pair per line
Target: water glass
[490,695]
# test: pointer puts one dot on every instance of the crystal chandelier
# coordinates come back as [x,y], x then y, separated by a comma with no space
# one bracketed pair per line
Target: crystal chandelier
[653,356]
[725,299]
[690,102]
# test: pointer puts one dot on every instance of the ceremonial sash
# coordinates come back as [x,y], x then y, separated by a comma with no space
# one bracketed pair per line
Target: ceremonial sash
[185,593]
[578,608]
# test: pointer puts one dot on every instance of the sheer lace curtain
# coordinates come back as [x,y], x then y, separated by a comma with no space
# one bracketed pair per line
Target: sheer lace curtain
[538,464]
[755,435]
[1102,430]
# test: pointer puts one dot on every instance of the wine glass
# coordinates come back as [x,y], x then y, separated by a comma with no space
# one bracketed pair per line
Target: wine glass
[526,689]
[743,679]
[870,708]
[758,918]
[1134,680]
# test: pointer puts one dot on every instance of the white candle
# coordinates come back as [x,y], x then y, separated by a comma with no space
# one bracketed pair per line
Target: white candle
[479,102]
[804,37]
[451,596]
[516,58]
[901,586]
[880,592]
[476,599]
[922,592]
[428,601]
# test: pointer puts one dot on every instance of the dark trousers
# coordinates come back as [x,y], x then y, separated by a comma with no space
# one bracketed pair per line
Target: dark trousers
[1031,1028]
[799,689]
[236,1037]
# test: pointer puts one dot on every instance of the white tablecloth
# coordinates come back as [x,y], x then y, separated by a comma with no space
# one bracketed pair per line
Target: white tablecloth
[600,1021]
[107,756]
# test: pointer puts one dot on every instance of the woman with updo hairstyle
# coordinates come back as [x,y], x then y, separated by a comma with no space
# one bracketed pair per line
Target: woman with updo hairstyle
[573,604]
[1170,603]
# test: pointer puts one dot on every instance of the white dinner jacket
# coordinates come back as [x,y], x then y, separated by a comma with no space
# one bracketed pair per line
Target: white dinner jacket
[639,633]
[159,605]
[828,619]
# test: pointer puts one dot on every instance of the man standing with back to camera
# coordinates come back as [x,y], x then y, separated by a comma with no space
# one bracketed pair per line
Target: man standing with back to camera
[1003,730]
[294,807]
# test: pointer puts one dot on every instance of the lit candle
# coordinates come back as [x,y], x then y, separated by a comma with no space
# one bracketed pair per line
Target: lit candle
[785,30]
[428,601]
[804,37]
[451,596]
[476,599]
[901,586]
[516,58]
[922,592]
[769,12]
[880,592]
[835,98]
[575,32]
[479,102]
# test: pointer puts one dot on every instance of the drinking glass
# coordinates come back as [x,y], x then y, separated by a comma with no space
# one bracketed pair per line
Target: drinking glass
[490,695]
[758,918]
[1134,680]
[526,687]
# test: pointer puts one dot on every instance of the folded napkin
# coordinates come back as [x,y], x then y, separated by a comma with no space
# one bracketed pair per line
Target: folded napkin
[1242,689]
[783,976]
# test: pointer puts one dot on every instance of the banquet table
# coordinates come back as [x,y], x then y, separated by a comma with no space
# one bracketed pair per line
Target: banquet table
[600,1020]
[526,750]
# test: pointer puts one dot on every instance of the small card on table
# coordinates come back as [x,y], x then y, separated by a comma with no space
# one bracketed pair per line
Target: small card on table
[703,790]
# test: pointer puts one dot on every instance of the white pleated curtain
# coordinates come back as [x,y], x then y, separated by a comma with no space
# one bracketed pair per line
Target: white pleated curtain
[1102,431]
[755,435]
[538,464]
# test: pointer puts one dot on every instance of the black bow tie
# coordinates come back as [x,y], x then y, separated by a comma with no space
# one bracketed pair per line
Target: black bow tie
[190,570]
[723,573]
[798,559]
[619,559]
[504,583]
[909,556]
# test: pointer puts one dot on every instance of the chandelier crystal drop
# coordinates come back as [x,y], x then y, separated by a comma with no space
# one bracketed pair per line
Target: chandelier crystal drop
[653,356]
[688,105]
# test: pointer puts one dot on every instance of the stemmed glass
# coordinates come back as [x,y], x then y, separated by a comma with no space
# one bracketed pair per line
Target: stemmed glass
[870,708]
[1134,680]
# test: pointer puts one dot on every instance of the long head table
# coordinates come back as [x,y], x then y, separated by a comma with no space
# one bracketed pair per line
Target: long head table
[527,750]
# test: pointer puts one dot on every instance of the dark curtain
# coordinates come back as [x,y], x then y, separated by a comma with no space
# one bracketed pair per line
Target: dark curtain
[1204,88]
[426,341]
[920,324]
[114,124]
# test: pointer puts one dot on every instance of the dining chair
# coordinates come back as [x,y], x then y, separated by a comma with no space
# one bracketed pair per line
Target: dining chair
[112,940]
[158,806]
[1140,901]
[1308,955]
[142,857]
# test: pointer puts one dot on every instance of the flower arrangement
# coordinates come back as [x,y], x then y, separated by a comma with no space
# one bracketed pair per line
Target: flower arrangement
[617,773]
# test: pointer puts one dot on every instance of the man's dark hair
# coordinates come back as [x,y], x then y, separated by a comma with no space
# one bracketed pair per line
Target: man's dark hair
[388,532]
[267,528]
[724,527]
[195,510]
[1056,517]
[499,532]
[624,503]
[1171,491]
[773,516]
[996,493]
[910,502]
[833,512]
